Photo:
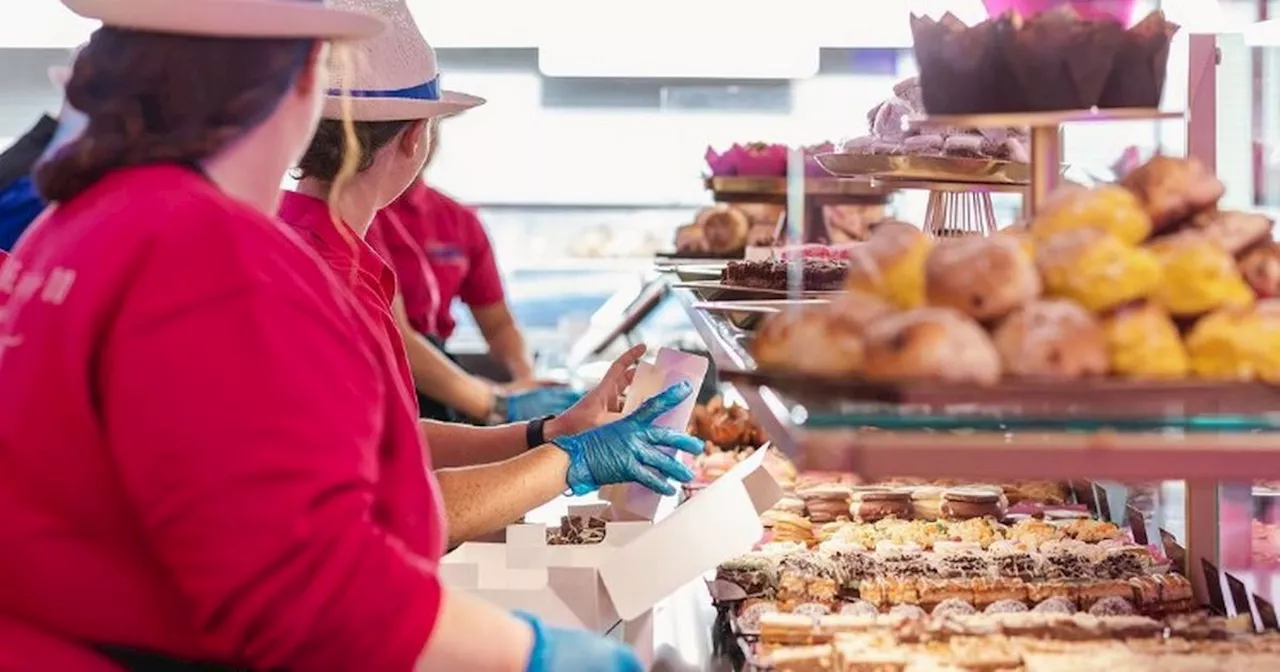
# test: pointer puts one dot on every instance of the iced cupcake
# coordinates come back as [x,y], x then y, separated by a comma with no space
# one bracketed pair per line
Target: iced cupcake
[1143,342]
[1096,269]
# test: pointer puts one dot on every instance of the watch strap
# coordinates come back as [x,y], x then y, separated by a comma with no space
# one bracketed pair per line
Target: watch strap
[535,432]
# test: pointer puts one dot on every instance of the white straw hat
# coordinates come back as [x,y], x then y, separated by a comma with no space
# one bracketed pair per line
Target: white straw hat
[395,76]
[232,18]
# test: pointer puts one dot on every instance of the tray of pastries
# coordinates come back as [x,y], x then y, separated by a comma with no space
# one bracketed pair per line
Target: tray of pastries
[892,150]
[953,574]
[1140,299]
[1017,642]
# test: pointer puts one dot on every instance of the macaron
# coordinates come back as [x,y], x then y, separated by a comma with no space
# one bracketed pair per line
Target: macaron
[965,503]
[826,503]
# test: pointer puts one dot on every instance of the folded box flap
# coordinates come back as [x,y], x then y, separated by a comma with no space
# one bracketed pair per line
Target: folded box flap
[720,523]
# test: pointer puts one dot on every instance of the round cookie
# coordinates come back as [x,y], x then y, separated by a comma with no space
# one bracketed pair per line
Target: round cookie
[1052,338]
[930,344]
[984,278]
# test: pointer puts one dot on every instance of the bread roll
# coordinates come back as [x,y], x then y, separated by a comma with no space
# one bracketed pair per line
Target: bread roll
[1173,189]
[1053,338]
[930,344]
[814,340]
[890,264]
[724,228]
[985,278]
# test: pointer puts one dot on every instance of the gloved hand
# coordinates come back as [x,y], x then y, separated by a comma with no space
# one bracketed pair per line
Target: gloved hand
[630,449]
[560,650]
[536,403]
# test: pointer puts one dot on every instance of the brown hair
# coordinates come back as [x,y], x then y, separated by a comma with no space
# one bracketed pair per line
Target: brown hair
[158,98]
[330,147]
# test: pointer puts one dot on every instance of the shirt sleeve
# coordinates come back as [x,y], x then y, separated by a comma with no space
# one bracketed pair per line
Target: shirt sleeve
[483,284]
[245,431]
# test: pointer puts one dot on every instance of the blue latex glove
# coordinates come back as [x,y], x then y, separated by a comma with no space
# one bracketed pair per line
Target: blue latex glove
[561,650]
[631,449]
[540,402]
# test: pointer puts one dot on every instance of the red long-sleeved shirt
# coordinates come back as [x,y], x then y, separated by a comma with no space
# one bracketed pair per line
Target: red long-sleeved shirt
[199,454]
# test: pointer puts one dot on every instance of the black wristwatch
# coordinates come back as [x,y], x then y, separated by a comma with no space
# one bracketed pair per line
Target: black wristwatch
[534,432]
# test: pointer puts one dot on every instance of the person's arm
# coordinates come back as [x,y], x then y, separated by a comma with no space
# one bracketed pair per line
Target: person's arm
[264,523]
[483,293]
[487,498]
[506,343]
[437,377]
[454,444]
[457,445]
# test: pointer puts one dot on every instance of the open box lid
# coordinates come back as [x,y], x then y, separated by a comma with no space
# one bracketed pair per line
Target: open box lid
[720,523]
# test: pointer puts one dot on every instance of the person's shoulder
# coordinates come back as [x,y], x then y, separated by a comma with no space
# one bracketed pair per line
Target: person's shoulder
[184,224]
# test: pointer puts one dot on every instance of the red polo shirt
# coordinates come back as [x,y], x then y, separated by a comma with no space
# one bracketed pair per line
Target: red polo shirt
[415,280]
[454,243]
[370,280]
[200,454]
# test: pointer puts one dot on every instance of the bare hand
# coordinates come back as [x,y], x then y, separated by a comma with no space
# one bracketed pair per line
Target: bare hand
[603,403]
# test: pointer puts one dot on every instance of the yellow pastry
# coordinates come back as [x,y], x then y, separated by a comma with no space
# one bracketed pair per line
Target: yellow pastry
[1236,344]
[1111,208]
[891,264]
[1143,342]
[1096,269]
[1198,276]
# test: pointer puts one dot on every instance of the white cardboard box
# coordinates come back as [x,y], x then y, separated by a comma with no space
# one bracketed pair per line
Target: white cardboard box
[638,564]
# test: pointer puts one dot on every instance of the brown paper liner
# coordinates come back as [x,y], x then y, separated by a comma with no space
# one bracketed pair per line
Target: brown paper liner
[1061,63]
[1138,72]
[961,68]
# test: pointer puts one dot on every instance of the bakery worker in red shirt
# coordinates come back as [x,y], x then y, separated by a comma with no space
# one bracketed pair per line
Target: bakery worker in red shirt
[204,457]
[440,252]
[412,236]
[445,390]
[451,238]
[517,470]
